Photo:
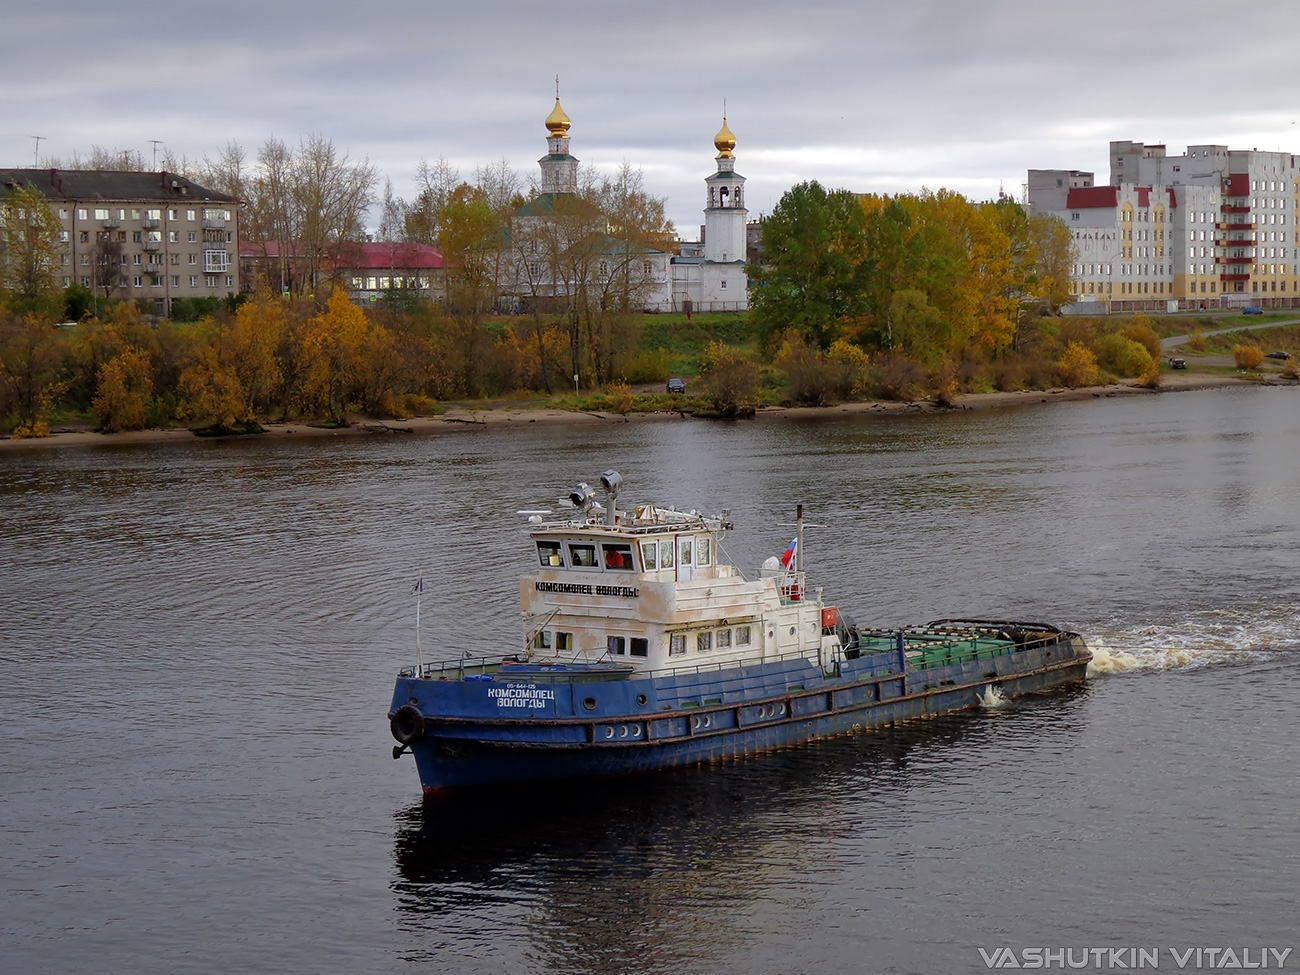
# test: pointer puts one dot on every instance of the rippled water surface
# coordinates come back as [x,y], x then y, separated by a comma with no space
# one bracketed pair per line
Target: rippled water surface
[198,645]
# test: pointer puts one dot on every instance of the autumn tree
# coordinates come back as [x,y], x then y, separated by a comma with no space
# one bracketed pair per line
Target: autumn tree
[125,385]
[331,345]
[30,251]
[817,263]
[1054,256]
[730,381]
[306,200]
[30,359]
[106,257]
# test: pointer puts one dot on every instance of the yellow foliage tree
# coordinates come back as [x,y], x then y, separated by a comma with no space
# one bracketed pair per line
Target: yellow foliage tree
[125,385]
[730,380]
[329,354]
[1248,356]
[1078,366]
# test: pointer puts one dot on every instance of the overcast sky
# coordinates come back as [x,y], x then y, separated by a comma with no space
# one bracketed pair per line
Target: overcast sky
[869,95]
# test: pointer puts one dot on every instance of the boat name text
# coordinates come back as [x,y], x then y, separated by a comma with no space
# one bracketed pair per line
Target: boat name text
[522,695]
[581,589]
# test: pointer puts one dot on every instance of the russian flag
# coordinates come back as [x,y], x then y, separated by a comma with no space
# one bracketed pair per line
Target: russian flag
[787,559]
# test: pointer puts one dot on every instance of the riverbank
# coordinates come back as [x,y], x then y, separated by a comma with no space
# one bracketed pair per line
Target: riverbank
[496,416]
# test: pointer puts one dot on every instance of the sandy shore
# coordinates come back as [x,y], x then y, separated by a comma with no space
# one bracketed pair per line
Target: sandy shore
[461,418]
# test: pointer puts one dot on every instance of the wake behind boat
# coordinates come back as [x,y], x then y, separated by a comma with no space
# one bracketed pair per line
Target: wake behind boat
[644,648]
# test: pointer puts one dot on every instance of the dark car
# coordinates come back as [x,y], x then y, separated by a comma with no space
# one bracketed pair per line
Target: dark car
[1279,354]
[1252,310]
[1177,363]
[676,386]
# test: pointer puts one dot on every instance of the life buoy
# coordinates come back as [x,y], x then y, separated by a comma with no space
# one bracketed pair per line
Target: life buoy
[407,723]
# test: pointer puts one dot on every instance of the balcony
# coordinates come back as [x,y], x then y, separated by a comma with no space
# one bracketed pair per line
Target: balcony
[112,223]
[1234,209]
[152,246]
[1234,260]
[214,223]
[1234,277]
[1225,242]
[149,224]
[1234,226]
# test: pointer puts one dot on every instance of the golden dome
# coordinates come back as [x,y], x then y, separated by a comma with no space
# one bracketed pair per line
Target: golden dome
[724,141]
[557,123]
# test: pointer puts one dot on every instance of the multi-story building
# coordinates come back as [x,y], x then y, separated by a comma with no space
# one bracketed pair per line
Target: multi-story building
[1215,227]
[152,237]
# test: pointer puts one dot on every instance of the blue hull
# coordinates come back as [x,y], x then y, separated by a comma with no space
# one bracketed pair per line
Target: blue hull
[496,729]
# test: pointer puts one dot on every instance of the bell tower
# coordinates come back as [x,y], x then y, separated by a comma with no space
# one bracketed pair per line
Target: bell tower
[559,169]
[724,210]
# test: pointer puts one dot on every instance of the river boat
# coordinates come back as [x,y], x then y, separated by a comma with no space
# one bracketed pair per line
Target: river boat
[644,648]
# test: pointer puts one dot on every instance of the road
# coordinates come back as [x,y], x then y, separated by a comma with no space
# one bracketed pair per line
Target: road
[1174,341]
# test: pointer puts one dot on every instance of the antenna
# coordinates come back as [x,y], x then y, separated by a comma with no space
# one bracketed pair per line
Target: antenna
[156,144]
[36,160]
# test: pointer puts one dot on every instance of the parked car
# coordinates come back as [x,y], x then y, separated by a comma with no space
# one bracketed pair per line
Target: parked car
[676,386]
[1177,363]
[1279,354]
[1252,310]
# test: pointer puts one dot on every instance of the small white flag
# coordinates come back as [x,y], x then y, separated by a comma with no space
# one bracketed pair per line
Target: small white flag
[418,588]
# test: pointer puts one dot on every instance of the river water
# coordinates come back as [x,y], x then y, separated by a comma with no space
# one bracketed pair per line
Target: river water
[198,645]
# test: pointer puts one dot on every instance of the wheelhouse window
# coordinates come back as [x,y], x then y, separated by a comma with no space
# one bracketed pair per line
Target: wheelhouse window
[549,553]
[563,641]
[640,646]
[703,550]
[650,555]
[582,556]
[666,553]
[724,639]
[676,644]
[704,641]
[742,636]
[684,547]
[617,556]
[542,641]
[616,645]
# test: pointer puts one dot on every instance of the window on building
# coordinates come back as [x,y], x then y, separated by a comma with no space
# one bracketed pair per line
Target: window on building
[563,641]
[640,646]
[542,640]
[742,636]
[676,644]
[616,645]
[704,641]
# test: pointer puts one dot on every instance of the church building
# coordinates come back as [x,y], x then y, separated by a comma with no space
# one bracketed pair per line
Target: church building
[699,277]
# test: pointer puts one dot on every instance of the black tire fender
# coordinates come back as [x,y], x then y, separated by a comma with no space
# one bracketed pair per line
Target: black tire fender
[407,723]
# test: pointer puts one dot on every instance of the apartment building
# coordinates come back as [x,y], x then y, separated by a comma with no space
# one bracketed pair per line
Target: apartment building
[1214,227]
[150,237]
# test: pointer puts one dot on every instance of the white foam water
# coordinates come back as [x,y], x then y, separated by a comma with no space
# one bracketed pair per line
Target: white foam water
[992,698]
[1211,637]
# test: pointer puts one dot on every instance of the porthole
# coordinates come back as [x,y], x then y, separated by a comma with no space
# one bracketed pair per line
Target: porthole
[640,700]
[636,731]
[609,732]
[589,704]
[780,709]
[622,731]
[792,631]
[695,722]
